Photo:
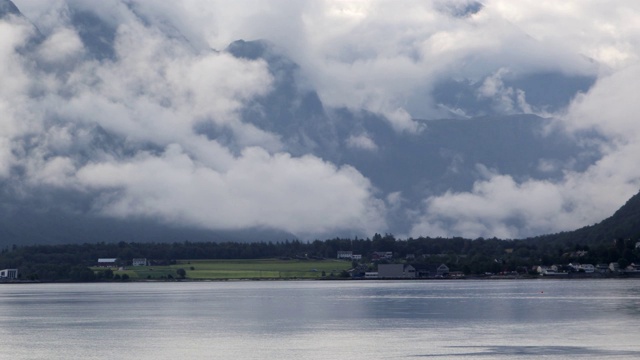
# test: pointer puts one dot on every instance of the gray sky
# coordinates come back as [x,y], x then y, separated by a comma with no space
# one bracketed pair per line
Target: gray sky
[378,56]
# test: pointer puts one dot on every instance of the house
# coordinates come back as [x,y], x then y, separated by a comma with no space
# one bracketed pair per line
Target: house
[380,255]
[602,268]
[588,268]
[431,270]
[396,271]
[107,262]
[442,270]
[139,262]
[633,267]
[371,275]
[614,267]
[548,270]
[9,274]
[356,257]
[345,254]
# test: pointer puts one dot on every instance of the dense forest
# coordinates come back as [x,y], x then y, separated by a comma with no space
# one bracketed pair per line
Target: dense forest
[478,256]
[612,240]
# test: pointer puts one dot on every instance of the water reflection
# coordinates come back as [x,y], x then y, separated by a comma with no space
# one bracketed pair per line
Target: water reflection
[535,351]
[317,320]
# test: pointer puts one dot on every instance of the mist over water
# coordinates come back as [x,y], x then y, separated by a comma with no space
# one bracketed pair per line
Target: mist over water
[317,320]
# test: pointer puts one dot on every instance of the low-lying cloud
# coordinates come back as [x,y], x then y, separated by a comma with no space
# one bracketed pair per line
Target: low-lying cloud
[500,206]
[124,127]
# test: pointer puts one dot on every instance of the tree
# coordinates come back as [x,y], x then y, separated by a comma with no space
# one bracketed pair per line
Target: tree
[108,274]
[181,273]
[81,274]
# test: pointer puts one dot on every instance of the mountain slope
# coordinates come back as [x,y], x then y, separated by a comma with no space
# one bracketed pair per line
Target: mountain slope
[623,224]
[7,7]
[103,130]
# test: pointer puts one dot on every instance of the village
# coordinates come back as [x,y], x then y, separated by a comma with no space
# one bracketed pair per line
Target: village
[418,270]
[376,266]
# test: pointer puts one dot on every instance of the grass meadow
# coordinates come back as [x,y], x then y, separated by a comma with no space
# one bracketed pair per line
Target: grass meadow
[240,269]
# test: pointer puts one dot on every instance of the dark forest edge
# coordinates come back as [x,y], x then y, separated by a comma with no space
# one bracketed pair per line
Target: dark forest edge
[76,262]
[614,240]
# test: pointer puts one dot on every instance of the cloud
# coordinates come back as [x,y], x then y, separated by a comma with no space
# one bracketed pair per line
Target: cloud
[376,56]
[362,141]
[61,46]
[123,131]
[606,32]
[505,99]
[15,119]
[501,206]
[128,128]
[301,195]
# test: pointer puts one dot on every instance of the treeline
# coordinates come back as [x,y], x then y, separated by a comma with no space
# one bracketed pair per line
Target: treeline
[71,262]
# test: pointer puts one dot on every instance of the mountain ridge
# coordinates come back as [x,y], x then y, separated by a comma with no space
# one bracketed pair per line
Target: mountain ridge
[623,224]
[400,170]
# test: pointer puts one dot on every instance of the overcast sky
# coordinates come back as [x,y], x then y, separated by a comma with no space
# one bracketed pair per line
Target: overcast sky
[381,56]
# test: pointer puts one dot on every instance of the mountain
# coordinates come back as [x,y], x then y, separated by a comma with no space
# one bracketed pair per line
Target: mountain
[623,224]
[444,155]
[33,224]
[448,154]
[7,7]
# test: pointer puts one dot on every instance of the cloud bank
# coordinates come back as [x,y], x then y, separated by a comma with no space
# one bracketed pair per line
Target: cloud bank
[123,130]
[116,118]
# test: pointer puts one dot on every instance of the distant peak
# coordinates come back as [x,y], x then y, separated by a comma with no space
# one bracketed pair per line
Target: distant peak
[7,7]
[251,50]
[460,9]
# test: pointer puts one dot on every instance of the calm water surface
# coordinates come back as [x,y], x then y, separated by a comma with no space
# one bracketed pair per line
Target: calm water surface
[551,319]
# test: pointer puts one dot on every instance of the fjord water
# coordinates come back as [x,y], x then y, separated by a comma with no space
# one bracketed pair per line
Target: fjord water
[529,319]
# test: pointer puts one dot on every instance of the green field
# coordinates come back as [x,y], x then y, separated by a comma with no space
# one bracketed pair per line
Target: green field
[240,269]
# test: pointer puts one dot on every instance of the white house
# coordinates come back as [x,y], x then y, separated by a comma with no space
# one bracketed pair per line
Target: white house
[107,262]
[345,254]
[139,262]
[588,268]
[9,274]
[614,267]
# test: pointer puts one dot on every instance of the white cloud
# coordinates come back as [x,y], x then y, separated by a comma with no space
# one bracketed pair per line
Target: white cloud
[89,127]
[504,207]
[363,55]
[579,199]
[505,99]
[611,106]
[302,195]
[15,119]
[375,56]
[61,46]
[362,141]
[604,31]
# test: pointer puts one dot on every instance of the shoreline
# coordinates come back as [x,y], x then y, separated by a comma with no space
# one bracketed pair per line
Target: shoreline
[469,278]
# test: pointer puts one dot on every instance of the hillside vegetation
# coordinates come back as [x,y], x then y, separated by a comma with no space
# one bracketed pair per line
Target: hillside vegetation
[612,240]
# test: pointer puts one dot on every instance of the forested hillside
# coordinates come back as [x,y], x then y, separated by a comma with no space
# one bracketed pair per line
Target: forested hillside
[624,224]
